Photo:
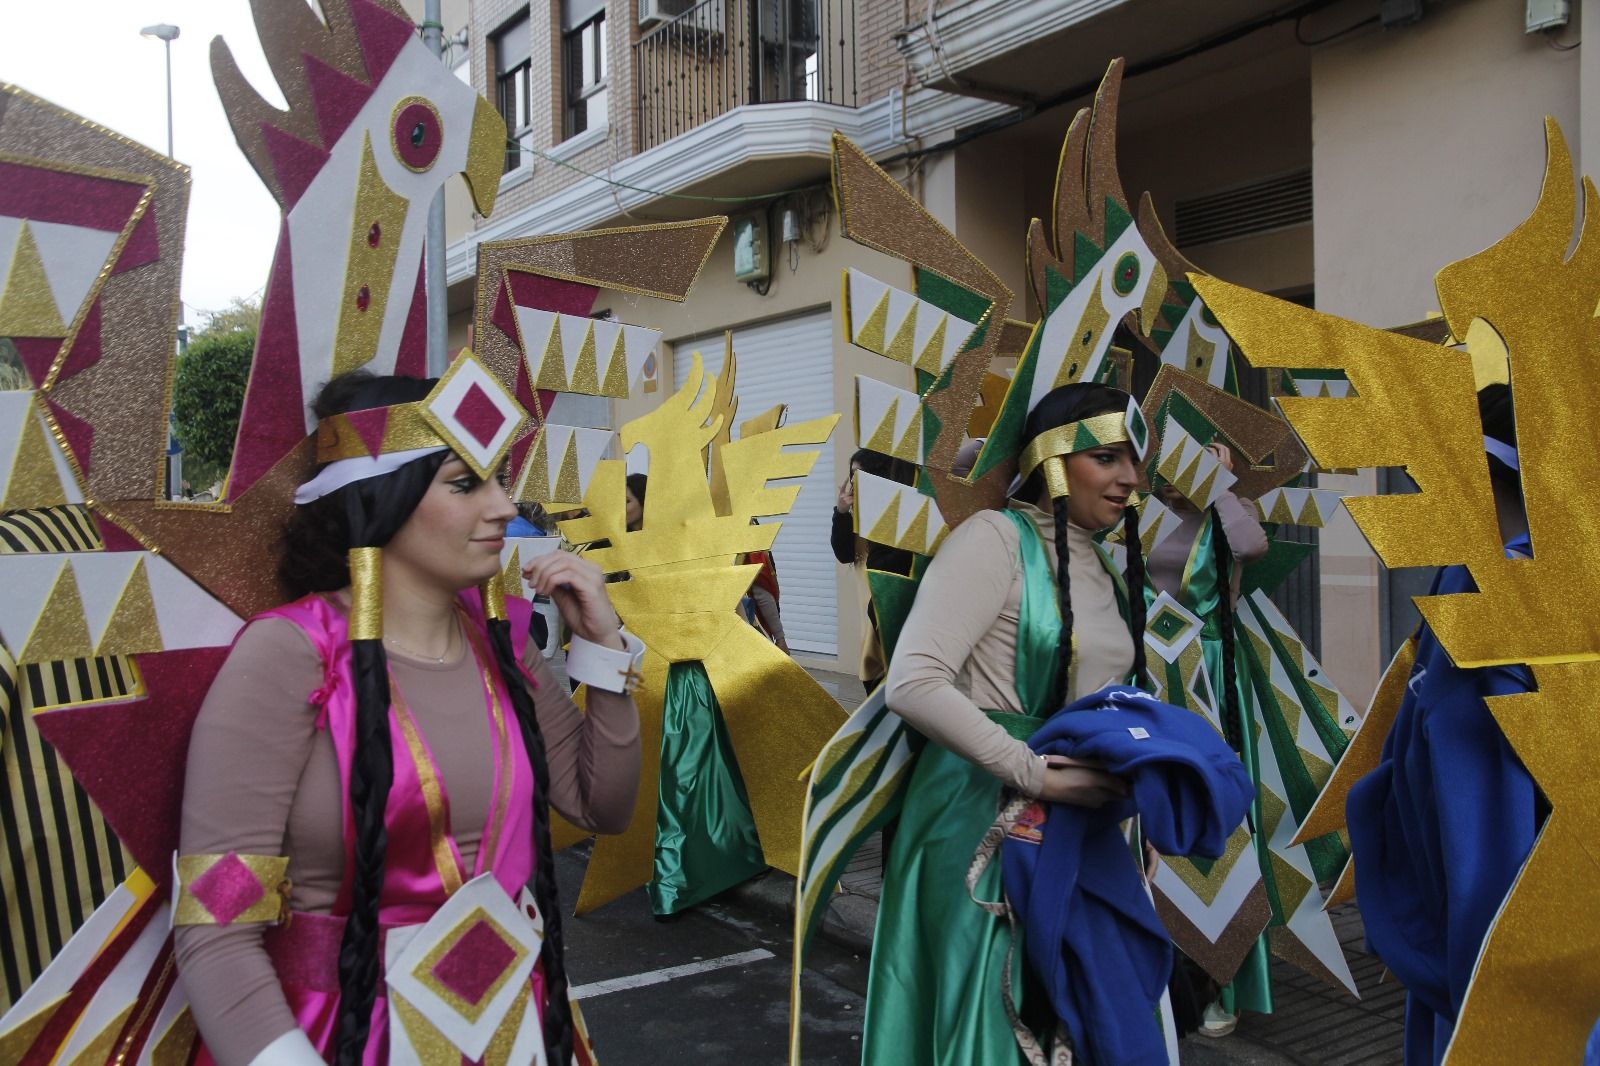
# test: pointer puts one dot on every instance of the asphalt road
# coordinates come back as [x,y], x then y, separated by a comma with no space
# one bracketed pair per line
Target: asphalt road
[711,987]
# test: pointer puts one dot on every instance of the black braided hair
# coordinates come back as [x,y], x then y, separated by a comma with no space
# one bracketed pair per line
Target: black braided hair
[1058,507]
[363,514]
[558,1007]
[1058,407]
[1133,577]
[1232,712]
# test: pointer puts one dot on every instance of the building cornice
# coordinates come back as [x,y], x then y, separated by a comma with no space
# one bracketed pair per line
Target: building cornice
[745,134]
[976,31]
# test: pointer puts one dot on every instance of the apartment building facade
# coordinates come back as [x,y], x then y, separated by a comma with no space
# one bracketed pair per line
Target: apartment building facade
[1336,153]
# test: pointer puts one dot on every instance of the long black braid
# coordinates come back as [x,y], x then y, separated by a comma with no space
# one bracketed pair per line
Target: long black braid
[1133,577]
[374,510]
[558,1008]
[1058,506]
[1232,712]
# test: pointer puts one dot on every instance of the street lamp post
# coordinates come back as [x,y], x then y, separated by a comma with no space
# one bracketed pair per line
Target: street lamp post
[166,33]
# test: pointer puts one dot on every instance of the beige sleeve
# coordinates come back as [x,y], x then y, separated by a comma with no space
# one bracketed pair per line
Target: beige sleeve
[248,748]
[593,754]
[966,587]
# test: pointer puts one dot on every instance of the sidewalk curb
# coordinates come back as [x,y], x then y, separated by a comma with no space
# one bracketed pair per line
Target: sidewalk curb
[848,923]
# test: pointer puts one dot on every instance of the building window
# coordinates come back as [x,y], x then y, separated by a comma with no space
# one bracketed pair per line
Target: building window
[513,72]
[583,64]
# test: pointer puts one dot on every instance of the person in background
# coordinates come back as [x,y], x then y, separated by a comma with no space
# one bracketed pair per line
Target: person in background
[761,605]
[1200,565]
[864,555]
[531,521]
[635,511]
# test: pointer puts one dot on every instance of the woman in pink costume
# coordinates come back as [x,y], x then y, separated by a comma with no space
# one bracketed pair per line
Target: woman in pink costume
[365,872]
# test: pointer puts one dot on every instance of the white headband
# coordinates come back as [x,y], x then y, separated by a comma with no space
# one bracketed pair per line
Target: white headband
[341,472]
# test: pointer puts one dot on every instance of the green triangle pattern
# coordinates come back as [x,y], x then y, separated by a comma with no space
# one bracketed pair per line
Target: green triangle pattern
[956,299]
[1117,221]
[1056,287]
[1085,254]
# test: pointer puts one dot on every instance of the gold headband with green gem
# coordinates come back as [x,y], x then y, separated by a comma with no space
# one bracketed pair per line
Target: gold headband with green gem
[1049,449]
[468,412]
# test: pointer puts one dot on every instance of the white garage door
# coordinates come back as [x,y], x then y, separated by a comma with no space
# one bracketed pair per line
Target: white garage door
[790,362]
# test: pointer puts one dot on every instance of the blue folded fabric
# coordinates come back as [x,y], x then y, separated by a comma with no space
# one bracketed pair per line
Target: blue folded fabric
[1092,935]
[1440,830]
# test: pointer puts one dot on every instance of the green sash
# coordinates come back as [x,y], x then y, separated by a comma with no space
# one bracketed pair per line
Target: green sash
[933,997]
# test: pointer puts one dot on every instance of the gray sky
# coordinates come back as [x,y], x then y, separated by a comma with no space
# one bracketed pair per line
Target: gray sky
[87,56]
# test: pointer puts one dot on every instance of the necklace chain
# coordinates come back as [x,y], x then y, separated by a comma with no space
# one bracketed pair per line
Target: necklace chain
[450,639]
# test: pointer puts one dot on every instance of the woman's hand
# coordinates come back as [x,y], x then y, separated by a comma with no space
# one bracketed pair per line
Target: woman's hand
[847,496]
[1080,783]
[1223,453]
[578,589]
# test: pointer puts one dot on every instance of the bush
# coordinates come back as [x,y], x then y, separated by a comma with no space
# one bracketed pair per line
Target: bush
[209,392]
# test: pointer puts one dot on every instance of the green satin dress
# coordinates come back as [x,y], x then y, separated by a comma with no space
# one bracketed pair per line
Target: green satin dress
[1251,987]
[933,995]
[705,834]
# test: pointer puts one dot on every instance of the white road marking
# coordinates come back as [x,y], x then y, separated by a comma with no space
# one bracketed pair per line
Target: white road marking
[669,973]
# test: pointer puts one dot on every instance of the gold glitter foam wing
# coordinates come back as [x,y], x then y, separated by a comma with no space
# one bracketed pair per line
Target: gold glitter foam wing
[681,598]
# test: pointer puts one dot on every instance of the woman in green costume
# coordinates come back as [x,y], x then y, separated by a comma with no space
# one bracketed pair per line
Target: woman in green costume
[1190,565]
[999,638]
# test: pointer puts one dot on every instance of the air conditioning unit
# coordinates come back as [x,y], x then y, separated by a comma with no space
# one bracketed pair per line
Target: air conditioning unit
[654,11]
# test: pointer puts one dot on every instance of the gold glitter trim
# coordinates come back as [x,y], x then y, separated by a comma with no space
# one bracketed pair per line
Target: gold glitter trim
[444,859]
[270,871]
[1073,437]
[493,593]
[366,594]
[405,430]
[502,799]
[369,269]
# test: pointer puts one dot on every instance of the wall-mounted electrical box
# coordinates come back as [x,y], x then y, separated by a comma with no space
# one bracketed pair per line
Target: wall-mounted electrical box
[750,262]
[1547,15]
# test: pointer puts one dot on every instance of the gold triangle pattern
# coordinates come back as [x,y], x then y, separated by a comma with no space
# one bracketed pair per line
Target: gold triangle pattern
[28,307]
[902,349]
[15,1042]
[1292,885]
[60,631]
[568,488]
[916,533]
[553,366]
[616,382]
[133,629]
[871,334]
[586,374]
[886,529]
[932,357]
[535,483]
[175,1045]
[909,447]
[511,575]
[34,480]
[882,439]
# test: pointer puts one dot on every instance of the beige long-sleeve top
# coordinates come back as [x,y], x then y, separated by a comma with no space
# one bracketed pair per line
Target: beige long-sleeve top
[264,780]
[1246,540]
[956,656]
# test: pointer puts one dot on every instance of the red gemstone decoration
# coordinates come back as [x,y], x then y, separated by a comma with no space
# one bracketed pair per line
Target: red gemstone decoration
[374,235]
[479,416]
[363,298]
[475,962]
[228,889]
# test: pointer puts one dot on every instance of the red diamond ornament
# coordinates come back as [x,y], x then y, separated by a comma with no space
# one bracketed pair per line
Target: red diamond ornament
[475,962]
[478,415]
[228,889]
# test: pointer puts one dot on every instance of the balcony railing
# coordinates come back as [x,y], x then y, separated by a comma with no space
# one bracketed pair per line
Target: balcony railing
[723,54]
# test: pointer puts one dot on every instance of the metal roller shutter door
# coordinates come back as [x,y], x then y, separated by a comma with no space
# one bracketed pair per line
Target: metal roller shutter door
[790,362]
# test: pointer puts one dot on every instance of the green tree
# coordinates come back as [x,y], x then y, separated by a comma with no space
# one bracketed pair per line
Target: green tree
[207,397]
